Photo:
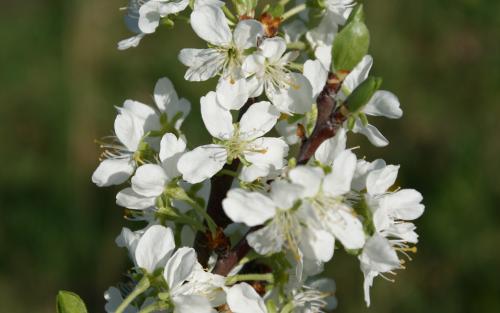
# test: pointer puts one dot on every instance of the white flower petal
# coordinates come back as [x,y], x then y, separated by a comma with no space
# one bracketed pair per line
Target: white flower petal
[404,204]
[363,168]
[346,227]
[259,119]
[165,94]
[273,48]
[331,148]
[379,181]
[149,17]
[317,244]
[242,298]
[149,180]
[203,63]
[383,103]
[202,163]
[378,255]
[338,182]
[192,304]
[172,7]
[179,267]
[128,129]
[113,172]
[130,199]
[269,156]
[232,95]
[171,146]
[297,98]
[324,55]
[254,63]
[267,240]
[154,248]
[210,24]
[247,33]
[317,75]
[371,132]
[309,178]
[217,119]
[356,76]
[285,194]
[131,42]
[250,208]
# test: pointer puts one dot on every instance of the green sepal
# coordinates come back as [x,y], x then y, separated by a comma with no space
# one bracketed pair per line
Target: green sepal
[167,22]
[363,118]
[271,306]
[69,302]
[354,252]
[316,4]
[276,9]
[363,93]
[245,7]
[350,122]
[352,43]
[315,16]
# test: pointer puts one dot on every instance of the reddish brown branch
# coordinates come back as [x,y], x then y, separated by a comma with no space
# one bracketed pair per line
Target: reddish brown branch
[330,119]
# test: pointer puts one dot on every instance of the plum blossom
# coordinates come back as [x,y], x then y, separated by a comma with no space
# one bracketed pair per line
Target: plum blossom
[327,195]
[382,103]
[267,71]
[144,16]
[133,123]
[260,155]
[392,233]
[286,220]
[150,180]
[226,54]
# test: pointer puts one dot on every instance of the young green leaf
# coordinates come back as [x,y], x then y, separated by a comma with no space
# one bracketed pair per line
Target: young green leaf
[69,302]
[352,42]
[361,95]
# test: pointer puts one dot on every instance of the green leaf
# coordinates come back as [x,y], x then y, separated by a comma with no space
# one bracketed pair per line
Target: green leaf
[361,95]
[69,302]
[352,42]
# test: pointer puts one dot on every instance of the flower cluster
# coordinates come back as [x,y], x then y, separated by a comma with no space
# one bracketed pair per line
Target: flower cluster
[245,223]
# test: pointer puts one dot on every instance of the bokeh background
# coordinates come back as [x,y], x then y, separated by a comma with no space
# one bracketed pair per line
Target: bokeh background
[61,76]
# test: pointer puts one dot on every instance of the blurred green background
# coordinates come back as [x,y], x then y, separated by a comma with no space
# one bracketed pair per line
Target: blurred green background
[61,76]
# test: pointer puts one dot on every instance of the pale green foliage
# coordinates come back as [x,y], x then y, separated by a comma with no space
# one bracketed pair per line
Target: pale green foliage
[69,302]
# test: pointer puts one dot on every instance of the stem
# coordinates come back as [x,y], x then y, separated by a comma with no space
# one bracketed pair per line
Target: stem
[250,277]
[154,307]
[228,261]
[141,286]
[210,222]
[227,172]
[288,308]
[230,16]
[330,119]
[293,11]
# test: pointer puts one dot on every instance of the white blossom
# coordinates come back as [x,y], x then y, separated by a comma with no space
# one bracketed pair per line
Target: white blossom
[244,141]
[267,71]
[287,221]
[144,16]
